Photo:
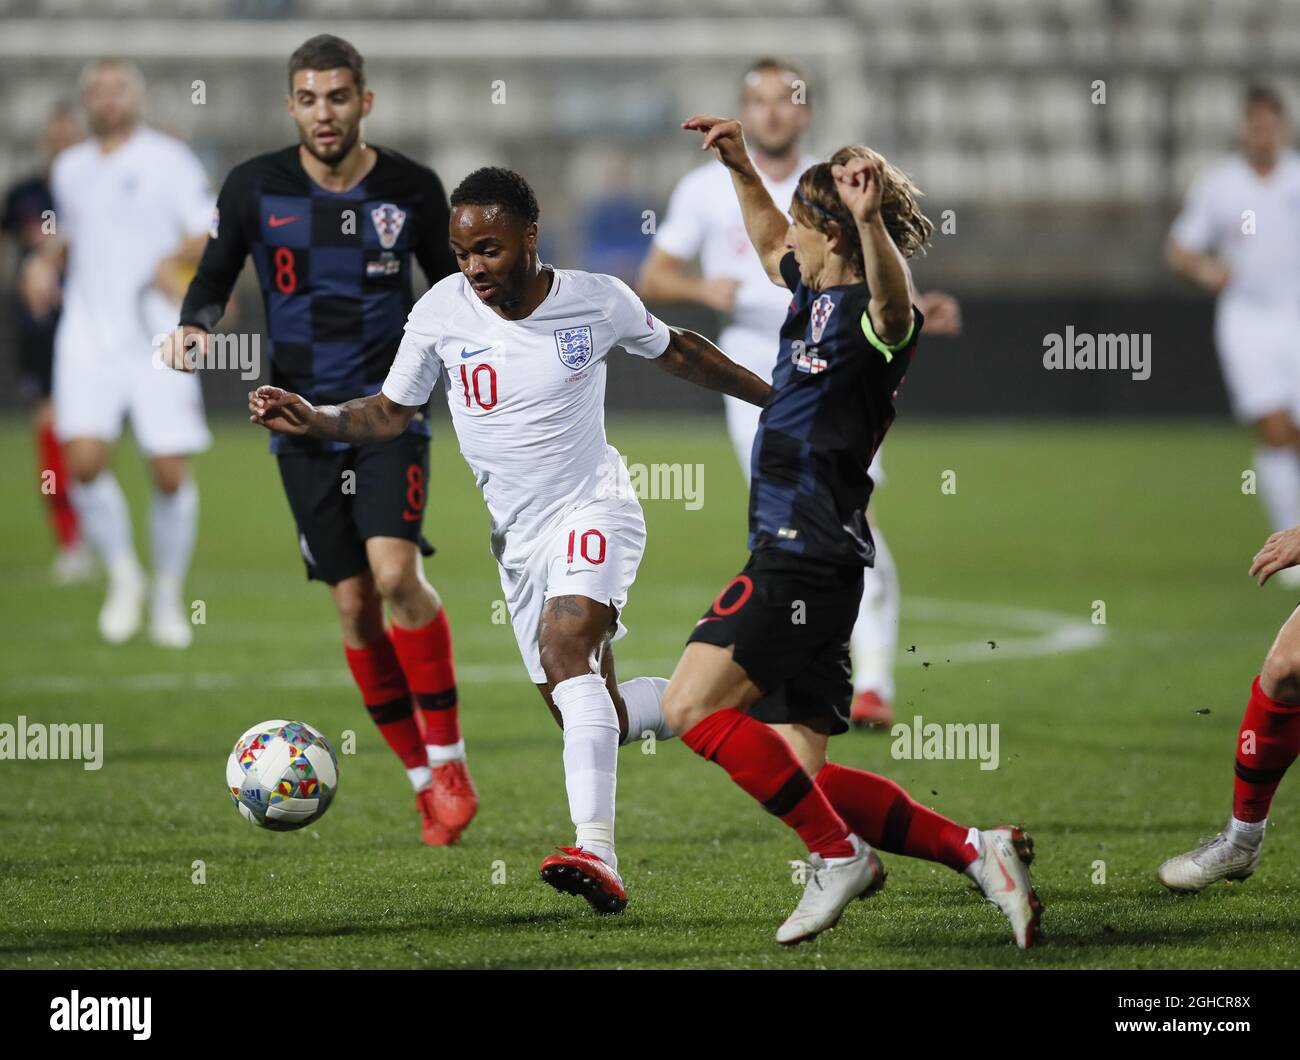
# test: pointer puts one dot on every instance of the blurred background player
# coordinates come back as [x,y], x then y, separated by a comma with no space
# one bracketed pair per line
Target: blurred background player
[28,208]
[1238,237]
[1268,744]
[704,222]
[132,208]
[522,351]
[332,224]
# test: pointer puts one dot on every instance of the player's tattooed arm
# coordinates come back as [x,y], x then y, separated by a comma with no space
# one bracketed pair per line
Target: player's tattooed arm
[370,419]
[694,358]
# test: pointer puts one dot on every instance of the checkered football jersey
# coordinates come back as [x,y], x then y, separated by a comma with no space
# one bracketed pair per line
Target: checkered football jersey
[832,402]
[334,269]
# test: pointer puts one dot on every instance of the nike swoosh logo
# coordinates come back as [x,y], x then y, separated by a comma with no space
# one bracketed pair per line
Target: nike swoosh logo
[703,620]
[1011,884]
[473,353]
[280,222]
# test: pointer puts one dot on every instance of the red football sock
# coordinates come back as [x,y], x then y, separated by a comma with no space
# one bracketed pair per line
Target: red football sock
[384,692]
[62,515]
[883,814]
[425,657]
[1269,741]
[762,763]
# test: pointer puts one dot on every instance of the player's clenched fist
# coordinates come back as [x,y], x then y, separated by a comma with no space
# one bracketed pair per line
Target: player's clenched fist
[725,137]
[181,348]
[1280,551]
[859,182]
[279,410]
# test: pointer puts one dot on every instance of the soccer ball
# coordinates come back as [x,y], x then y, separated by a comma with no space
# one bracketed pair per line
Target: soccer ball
[282,775]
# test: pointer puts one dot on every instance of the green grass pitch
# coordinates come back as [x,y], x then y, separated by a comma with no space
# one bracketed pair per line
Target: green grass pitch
[1114,755]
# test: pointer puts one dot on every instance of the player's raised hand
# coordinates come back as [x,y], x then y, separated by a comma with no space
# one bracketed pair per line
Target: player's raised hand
[181,349]
[1280,551]
[279,410]
[724,137]
[942,313]
[859,183]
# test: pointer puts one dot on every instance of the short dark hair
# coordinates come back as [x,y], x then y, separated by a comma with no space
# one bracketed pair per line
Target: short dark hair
[328,52]
[494,186]
[1260,94]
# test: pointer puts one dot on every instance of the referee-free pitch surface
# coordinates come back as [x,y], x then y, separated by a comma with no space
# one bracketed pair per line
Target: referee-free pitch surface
[1114,739]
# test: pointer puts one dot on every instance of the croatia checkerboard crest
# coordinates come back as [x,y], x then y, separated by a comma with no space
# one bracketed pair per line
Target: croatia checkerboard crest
[388,221]
[575,346]
[821,315]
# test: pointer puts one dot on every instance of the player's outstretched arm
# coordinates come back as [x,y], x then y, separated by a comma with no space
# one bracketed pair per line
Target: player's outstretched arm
[765,225]
[370,419]
[860,183]
[694,358]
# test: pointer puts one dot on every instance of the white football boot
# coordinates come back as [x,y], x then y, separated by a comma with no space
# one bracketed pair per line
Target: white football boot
[73,565]
[123,608]
[1002,874]
[831,885]
[1217,858]
[169,626]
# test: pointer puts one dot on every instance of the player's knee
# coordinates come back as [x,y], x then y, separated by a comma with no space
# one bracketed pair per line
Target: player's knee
[564,657]
[397,580]
[168,474]
[1279,678]
[679,710]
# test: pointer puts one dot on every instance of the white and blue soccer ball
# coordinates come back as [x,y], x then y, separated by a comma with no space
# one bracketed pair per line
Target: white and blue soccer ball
[282,775]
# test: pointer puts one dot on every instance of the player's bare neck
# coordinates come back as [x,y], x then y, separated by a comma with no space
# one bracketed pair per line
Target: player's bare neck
[344,175]
[111,141]
[535,292]
[1262,164]
[777,167]
[836,272]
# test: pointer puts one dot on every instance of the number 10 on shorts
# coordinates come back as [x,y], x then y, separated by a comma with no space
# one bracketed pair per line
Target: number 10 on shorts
[590,544]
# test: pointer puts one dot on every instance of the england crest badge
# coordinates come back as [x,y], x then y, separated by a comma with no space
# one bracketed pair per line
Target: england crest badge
[821,315]
[575,346]
[388,221]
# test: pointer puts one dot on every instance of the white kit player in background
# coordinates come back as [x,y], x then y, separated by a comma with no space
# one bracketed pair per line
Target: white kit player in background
[1238,237]
[521,349]
[704,222]
[132,211]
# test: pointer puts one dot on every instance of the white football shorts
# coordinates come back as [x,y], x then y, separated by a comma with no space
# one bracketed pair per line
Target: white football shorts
[1259,352]
[592,549]
[96,387]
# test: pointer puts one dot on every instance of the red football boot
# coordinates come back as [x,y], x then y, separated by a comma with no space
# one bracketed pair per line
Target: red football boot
[869,711]
[576,871]
[454,799]
[432,831]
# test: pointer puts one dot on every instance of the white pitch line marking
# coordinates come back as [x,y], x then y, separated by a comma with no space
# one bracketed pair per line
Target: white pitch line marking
[1048,633]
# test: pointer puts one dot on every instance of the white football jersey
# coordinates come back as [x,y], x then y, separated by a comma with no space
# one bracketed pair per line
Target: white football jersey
[704,221]
[1251,222]
[121,214]
[527,397]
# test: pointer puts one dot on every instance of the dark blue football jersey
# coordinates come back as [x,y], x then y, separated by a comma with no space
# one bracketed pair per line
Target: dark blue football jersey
[334,269]
[832,402]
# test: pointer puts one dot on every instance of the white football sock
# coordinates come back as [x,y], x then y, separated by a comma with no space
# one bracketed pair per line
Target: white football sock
[1278,472]
[441,754]
[173,523]
[1247,834]
[874,641]
[106,522]
[590,760]
[642,697]
[974,839]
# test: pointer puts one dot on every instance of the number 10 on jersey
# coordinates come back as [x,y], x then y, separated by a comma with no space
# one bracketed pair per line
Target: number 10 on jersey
[480,386]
